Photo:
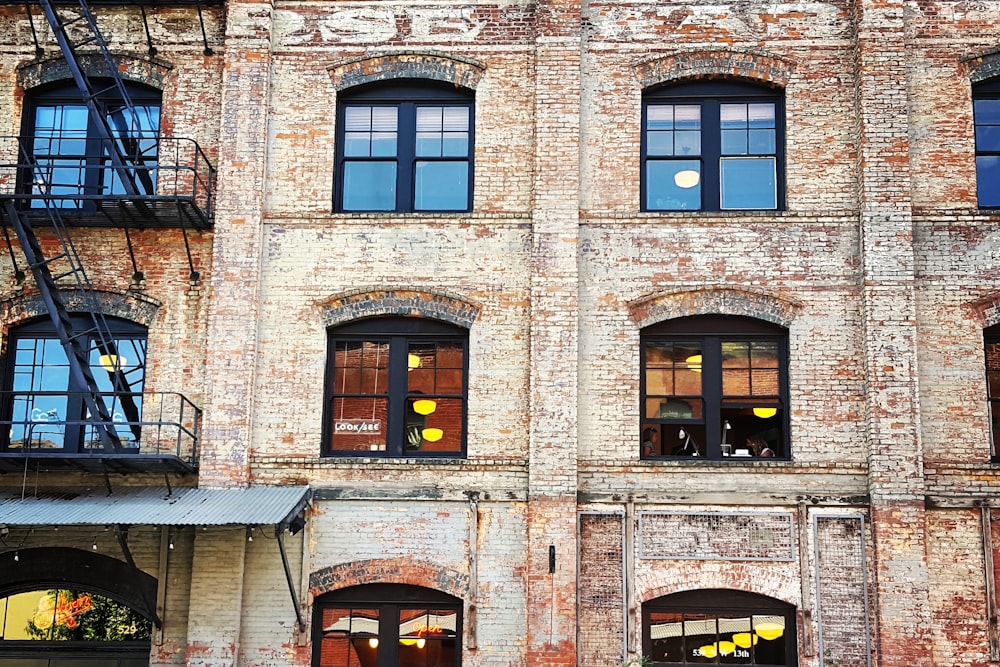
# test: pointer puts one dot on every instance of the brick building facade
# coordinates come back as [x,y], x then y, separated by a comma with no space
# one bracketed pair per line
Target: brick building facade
[850,248]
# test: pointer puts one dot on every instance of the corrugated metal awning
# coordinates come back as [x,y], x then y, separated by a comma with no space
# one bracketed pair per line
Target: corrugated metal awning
[138,506]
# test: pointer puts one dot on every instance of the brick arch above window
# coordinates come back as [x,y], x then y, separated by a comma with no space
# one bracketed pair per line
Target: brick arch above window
[713,64]
[432,304]
[462,72]
[139,70]
[987,310]
[389,571]
[758,305]
[127,306]
[984,66]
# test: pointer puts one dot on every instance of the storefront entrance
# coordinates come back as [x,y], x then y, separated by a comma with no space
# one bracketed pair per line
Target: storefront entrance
[719,627]
[49,620]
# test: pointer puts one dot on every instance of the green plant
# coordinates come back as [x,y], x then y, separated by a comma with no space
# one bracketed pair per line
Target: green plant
[638,661]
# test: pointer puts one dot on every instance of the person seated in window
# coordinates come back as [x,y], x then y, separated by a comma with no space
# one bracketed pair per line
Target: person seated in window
[650,442]
[758,447]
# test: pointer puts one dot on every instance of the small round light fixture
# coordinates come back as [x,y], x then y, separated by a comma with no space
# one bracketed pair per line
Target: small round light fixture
[432,434]
[687,178]
[373,642]
[765,413]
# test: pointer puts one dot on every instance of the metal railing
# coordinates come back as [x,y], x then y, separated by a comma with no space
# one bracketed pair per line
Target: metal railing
[149,423]
[172,175]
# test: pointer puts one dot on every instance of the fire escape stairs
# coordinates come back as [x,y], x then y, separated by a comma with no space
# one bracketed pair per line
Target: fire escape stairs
[114,115]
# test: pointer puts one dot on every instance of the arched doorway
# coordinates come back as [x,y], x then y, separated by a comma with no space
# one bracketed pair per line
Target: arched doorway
[719,627]
[73,608]
[387,625]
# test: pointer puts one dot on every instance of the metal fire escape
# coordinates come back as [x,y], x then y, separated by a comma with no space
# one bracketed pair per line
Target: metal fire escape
[128,198]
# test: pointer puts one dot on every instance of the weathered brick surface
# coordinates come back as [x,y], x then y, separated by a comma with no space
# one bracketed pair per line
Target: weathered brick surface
[881,268]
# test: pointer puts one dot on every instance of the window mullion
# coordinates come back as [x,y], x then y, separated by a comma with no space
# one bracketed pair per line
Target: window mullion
[711,155]
[398,351]
[712,388]
[406,138]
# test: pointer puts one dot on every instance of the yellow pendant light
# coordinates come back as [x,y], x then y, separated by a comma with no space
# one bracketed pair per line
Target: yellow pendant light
[744,639]
[765,413]
[424,406]
[432,434]
[769,631]
[709,651]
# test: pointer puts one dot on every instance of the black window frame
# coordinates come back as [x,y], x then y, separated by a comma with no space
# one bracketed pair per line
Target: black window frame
[125,407]
[991,343]
[986,90]
[677,431]
[718,603]
[98,175]
[389,600]
[406,95]
[709,96]
[399,333]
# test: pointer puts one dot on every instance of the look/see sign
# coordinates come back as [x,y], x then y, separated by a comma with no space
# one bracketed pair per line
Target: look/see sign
[357,426]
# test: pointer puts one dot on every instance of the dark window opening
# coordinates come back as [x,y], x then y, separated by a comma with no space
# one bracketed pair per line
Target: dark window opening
[719,627]
[71,159]
[405,147]
[986,112]
[43,406]
[396,387]
[714,387]
[712,146]
[387,626]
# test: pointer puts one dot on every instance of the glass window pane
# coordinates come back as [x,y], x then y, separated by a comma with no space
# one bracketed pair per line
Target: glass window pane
[700,635]
[673,185]
[441,186]
[659,117]
[357,119]
[384,119]
[748,183]
[434,424]
[734,142]
[687,117]
[455,119]
[988,138]
[770,647]
[428,144]
[988,180]
[357,144]
[987,112]
[455,144]
[687,142]
[733,116]
[369,186]
[359,423]
[350,637]
[429,119]
[383,144]
[761,142]
[659,143]
[760,115]
[666,634]
[993,369]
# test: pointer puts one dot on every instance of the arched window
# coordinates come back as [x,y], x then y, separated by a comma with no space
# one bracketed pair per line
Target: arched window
[405,146]
[719,627]
[67,147]
[714,387]
[46,409]
[386,625]
[986,110]
[62,607]
[396,386]
[712,146]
